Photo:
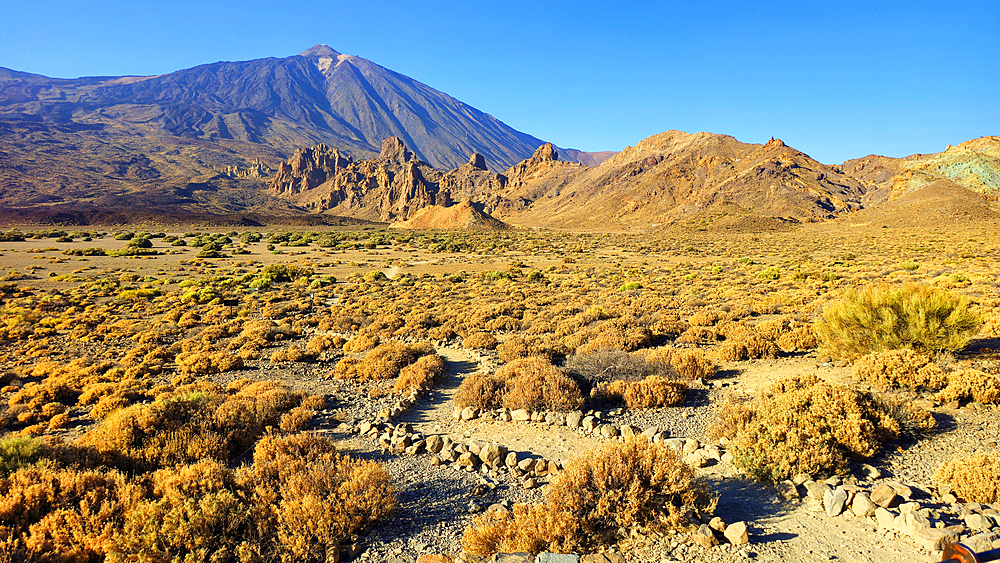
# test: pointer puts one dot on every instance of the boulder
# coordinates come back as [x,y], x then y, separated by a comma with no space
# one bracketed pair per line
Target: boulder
[885,519]
[606,557]
[434,443]
[629,431]
[704,536]
[885,496]
[574,419]
[608,431]
[470,413]
[911,523]
[492,454]
[520,415]
[934,539]
[978,522]
[736,533]
[468,459]
[834,500]
[862,506]
[787,490]
[589,423]
[511,459]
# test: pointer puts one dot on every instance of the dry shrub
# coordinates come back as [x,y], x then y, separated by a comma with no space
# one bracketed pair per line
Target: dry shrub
[482,390]
[704,317]
[480,341]
[883,317]
[294,354]
[535,384]
[753,346]
[971,385]
[386,360]
[420,373]
[309,498]
[692,364]
[803,425]
[653,391]
[623,333]
[798,338]
[975,478]
[599,499]
[323,342]
[894,369]
[346,368]
[517,347]
[362,342]
[697,335]
[199,358]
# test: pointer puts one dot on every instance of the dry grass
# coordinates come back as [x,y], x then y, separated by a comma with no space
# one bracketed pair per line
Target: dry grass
[884,317]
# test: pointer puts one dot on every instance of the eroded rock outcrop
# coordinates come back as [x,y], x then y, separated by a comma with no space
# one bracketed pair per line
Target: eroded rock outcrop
[389,187]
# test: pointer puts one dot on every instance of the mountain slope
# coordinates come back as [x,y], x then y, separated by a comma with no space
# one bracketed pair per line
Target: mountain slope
[674,175]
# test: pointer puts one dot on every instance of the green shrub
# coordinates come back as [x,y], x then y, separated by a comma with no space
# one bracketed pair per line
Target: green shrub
[882,317]
[18,452]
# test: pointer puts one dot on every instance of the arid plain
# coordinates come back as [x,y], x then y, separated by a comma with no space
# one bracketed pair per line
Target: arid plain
[180,392]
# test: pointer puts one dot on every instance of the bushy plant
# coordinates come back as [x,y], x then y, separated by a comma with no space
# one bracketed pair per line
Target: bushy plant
[535,384]
[653,391]
[971,385]
[894,369]
[599,499]
[882,317]
[975,477]
[482,390]
[803,425]
[480,340]
[420,374]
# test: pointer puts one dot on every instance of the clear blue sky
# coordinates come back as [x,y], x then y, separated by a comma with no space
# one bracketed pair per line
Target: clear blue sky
[836,80]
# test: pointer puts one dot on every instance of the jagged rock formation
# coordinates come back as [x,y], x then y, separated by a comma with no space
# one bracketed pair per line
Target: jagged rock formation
[389,187]
[256,169]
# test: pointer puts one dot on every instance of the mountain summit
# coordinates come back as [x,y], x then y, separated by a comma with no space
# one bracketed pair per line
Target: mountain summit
[319,50]
[318,96]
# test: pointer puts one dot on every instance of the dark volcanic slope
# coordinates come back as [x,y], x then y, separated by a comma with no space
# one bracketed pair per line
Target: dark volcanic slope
[319,96]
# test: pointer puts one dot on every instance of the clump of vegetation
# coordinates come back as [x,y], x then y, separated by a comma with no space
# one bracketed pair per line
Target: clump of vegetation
[803,425]
[894,369]
[653,391]
[882,317]
[975,478]
[420,374]
[526,383]
[599,499]
[971,385]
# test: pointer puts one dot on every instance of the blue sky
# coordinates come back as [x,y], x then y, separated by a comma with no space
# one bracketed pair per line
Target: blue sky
[836,80]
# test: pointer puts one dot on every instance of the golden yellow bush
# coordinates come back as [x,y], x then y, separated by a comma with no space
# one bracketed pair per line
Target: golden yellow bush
[971,385]
[600,498]
[535,384]
[975,477]
[480,340]
[420,374]
[362,342]
[482,390]
[803,425]
[894,369]
[653,391]
[692,364]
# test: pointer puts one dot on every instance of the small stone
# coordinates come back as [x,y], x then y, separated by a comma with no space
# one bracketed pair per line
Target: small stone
[629,431]
[949,498]
[934,539]
[650,433]
[834,500]
[365,427]
[909,507]
[787,490]
[511,459]
[862,506]
[736,533]
[529,483]
[885,496]
[704,536]
[884,518]
[608,431]
[717,524]
[574,419]
[801,478]
[526,464]
[457,415]
[691,445]
[492,454]
[468,460]
[520,415]
[557,558]
[910,523]
[470,413]
[434,443]
[870,472]
[551,418]
[978,522]
[589,423]
[676,444]
[816,490]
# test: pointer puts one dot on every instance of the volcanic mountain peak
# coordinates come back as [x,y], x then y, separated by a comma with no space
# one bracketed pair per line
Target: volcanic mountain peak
[320,50]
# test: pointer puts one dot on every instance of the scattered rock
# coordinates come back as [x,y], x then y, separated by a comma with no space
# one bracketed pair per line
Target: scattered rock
[589,423]
[530,483]
[736,533]
[704,536]
[434,443]
[520,415]
[557,558]
[574,419]
[884,518]
[911,523]
[934,539]
[470,413]
[885,496]
[862,506]
[787,490]
[834,500]
[978,522]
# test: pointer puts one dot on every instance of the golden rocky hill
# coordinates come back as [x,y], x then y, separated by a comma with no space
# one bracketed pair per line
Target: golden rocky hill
[465,216]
